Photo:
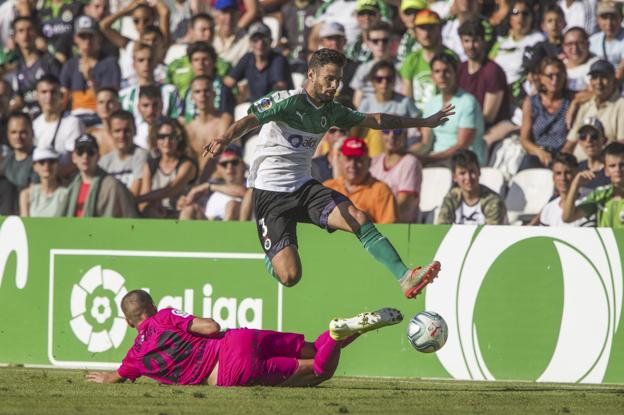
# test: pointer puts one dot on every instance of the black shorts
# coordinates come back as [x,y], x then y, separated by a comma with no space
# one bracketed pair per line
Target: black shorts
[277,213]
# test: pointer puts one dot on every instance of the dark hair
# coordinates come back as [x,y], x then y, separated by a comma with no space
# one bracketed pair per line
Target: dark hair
[553,8]
[110,89]
[566,159]
[177,128]
[7,85]
[21,115]
[201,47]
[382,65]
[202,78]
[124,116]
[472,28]
[147,7]
[50,79]
[614,148]
[324,57]
[577,29]
[465,159]
[447,59]
[153,29]
[202,16]
[150,91]
[379,26]
[24,19]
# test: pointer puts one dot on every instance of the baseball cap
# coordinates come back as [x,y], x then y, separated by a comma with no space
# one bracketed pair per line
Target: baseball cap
[85,24]
[601,67]
[362,5]
[332,29]
[86,140]
[44,153]
[607,7]
[354,147]
[427,17]
[232,151]
[531,58]
[591,123]
[259,28]
[413,4]
[225,4]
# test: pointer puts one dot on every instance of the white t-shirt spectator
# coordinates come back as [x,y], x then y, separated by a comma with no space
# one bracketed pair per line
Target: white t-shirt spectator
[452,40]
[69,130]
[610,50]
[551,216]
[343,12]
[581,13]
[217,204]
[510,52]
[578,80]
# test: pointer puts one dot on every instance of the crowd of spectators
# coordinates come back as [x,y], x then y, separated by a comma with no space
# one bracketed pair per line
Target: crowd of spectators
[105,106]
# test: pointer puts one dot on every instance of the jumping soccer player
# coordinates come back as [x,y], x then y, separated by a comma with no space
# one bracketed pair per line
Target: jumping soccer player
[173,347]
[284,192]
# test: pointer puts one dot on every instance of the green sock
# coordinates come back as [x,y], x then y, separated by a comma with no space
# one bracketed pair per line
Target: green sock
[269,268]
[381,249]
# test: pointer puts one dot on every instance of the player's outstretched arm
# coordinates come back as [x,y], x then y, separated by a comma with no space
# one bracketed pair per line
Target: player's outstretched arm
[104,377]
[204,327]
[234,131]
[381,121]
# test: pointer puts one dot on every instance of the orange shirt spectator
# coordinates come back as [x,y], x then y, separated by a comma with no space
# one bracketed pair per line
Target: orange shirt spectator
[367,193]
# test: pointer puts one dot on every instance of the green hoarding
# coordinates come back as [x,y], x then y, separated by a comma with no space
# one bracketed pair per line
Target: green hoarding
[538,304]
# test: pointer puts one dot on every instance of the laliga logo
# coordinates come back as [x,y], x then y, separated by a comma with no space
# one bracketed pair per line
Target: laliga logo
[592,280]
[13,239]
[100,309]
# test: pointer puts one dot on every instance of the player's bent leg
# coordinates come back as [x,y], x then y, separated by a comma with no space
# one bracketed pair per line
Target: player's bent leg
[305,375]
[343,328]
[346,217]
[287,266]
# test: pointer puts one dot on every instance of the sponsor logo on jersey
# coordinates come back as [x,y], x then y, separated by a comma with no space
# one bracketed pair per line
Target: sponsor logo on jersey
[67,16]
[297,140]
[264,104]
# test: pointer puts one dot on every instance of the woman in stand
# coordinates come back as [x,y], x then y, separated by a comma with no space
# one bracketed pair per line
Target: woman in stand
[48,198]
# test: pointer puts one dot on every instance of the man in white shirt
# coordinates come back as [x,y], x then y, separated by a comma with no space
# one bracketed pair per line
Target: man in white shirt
[53,128]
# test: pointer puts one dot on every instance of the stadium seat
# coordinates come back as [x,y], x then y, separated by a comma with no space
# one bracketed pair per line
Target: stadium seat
[241,110]
[436,183]
[298,79]
[493,178]
[274,25]
[529,191]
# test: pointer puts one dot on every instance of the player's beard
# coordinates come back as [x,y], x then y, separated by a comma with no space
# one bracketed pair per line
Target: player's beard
[321,96]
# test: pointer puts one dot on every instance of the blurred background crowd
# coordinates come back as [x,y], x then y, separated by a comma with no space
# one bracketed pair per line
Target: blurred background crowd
[105,106]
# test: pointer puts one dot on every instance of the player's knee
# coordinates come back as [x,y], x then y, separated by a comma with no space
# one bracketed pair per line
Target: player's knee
[360,217]
[323,374]
[290,277]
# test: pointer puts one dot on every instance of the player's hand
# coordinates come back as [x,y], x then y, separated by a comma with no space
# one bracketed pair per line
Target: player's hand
[440,117]
[214,148]
[96,377]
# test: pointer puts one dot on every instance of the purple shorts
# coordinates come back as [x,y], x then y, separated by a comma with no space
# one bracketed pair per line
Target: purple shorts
[258,357]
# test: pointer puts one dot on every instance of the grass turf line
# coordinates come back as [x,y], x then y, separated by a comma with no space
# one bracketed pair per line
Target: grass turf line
[47,391]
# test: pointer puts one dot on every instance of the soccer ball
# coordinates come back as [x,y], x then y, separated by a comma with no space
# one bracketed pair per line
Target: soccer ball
[427,331]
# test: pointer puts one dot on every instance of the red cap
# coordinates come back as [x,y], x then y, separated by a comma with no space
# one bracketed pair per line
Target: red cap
[354,147]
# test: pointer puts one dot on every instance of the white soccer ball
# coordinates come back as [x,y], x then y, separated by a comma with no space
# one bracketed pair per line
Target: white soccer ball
[427,331]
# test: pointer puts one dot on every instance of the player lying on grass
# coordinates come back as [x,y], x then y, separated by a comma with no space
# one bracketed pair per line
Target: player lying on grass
[173,347]
[284,193]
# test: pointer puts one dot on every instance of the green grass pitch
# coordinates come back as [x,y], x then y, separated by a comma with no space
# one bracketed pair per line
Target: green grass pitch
[47,391]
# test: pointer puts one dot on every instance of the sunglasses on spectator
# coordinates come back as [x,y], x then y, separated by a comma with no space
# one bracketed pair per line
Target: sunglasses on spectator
[367,13]
[89,151]
[524,13]
[379,40]
[393,132]
[334,130]
[380,79]
[144,20]
[410,12]
[552,75]
[233,162]
[590,137]
[170,136]
[47,161]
